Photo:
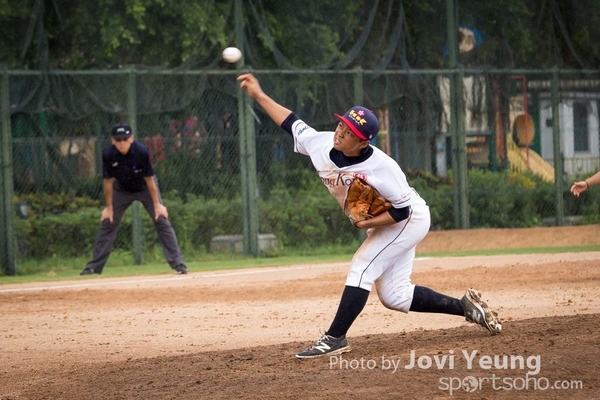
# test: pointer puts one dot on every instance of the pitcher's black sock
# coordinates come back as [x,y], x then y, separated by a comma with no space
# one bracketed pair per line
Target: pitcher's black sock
[427,300]
[352,303]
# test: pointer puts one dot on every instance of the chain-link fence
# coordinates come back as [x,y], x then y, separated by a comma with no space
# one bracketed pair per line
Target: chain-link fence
[510,132]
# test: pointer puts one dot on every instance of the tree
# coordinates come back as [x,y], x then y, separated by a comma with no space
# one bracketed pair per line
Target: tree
[334,34]
[110,33]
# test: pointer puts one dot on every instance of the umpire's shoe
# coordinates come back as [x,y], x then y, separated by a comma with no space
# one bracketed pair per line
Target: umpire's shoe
[326,345]
[477,311]
[181,269]
[89,271]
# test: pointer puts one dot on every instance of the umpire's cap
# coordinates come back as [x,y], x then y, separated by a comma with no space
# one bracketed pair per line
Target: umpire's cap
[121,130]
[361,121]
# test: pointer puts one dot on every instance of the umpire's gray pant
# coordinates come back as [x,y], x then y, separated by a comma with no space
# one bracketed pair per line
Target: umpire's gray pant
[107,233]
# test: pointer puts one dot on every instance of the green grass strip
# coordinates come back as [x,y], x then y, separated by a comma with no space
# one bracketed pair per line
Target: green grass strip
[69,269]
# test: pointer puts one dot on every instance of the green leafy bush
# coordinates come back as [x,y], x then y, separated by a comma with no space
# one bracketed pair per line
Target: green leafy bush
[501,200]
[305,218]
[66,234]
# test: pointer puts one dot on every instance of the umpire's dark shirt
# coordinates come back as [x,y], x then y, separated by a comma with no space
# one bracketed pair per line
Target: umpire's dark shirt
[129,170]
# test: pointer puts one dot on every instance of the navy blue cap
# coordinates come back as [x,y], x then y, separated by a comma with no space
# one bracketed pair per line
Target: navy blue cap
[122,130]
[361,121]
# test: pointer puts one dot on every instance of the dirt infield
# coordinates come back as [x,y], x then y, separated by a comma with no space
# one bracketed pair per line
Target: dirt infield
[233,334]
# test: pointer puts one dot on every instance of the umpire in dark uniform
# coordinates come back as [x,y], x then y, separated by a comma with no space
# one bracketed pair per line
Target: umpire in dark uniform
[128,176]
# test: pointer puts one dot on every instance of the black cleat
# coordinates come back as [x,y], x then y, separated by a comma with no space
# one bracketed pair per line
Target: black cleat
[181,269]
[326,345]
[88,271]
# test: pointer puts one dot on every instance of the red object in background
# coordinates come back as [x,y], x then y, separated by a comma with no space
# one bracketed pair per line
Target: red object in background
[156,148]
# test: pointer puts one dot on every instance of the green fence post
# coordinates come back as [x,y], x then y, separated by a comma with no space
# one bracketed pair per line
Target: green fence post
[461,152]
[558,164]
[7,227]
[493,165]
[247,142]
[252,181]
[136,218]
[457,126]
[241,103]
[248,174]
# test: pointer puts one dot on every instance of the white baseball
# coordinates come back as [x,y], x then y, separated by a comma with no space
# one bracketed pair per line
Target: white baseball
[232,55]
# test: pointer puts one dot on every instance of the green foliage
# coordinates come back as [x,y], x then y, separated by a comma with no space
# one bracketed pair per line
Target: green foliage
[111,33]
[496,199]
[305,218]
[195,174]
[14,20]
[198,220]
[158,32]
[56,203]
[294,179]
[438,194]
[587,205]
[324,21]
[68,34]
[501,200]
[66,234]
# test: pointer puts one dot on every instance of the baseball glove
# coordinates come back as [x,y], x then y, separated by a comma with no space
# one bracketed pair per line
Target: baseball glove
[364,201]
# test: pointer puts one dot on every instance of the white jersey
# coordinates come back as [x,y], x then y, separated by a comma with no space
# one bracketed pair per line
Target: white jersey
[385,257]
[379,170]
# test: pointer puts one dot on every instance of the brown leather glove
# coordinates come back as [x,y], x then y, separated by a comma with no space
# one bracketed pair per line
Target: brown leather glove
[363,202]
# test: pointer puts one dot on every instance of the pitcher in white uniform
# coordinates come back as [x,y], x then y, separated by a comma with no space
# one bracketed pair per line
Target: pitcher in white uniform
[385,258]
